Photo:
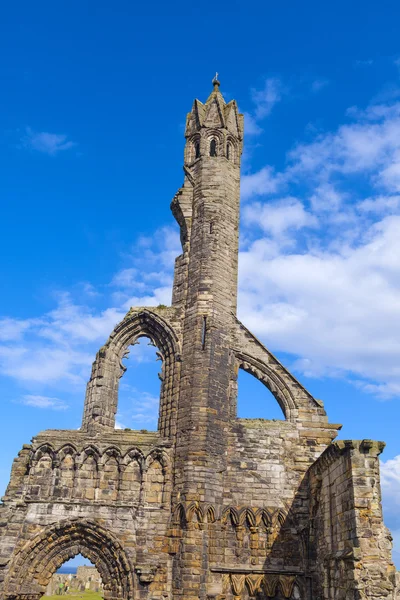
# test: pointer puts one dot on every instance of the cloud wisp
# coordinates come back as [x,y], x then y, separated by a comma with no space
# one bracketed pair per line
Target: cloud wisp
[45,142]
[43,402]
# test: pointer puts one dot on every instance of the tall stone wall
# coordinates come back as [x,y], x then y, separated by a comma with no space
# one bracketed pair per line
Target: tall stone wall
[350,546]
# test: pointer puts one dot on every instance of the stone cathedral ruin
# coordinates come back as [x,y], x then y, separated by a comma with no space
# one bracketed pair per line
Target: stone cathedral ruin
[210,505]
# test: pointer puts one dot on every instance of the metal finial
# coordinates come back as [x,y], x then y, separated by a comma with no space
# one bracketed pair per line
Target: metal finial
[215,81]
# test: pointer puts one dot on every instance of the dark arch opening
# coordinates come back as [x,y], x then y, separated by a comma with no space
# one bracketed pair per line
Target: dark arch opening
[140,387]
[77,575]
[213,147]
[34,564]
[254,400]
[197,150]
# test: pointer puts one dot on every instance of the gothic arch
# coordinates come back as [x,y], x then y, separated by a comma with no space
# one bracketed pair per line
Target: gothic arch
[157,477]
[111,451]
[43,450]
[41,471]
[67,449]
[65,469]
[217,136]
[90,450]
[193,149]
[39,558]
[159,455]
[134,454]
[102,390]
[231,150]
[276,385]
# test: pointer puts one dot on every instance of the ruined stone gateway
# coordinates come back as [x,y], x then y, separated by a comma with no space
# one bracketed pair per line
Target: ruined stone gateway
[210,505]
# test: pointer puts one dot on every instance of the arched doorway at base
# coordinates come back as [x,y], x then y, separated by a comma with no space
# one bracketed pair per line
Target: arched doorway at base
[41,557]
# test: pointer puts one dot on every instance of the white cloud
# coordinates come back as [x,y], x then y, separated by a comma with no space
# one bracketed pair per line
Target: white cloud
[380,204]
[338,310]
[13,329]
[326,198]
[369,146]
[119,424]
[161,295]
[47,143]
[319,84]
[266,98]
[330,294]
[126,278]
[44,364]
[263,182]
[142,352]
[78,322]
[139,409]
[44,402]
[390,485]
[278,216]
[364,63]
[251,126]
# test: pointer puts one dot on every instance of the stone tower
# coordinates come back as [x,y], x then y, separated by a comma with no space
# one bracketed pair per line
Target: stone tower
[209,505]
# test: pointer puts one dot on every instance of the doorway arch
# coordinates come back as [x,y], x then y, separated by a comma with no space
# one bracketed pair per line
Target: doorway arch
[36,562]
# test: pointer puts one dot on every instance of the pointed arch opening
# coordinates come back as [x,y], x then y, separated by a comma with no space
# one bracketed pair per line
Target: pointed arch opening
[102,393]
[271,378]
[76,576]
[192,150]
[140,386]
[254,400]
[36,562]
[213,147]
[231,153]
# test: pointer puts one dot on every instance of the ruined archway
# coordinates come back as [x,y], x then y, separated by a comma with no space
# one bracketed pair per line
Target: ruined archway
[273,382]
[102,390]
[34,564]
[254,399]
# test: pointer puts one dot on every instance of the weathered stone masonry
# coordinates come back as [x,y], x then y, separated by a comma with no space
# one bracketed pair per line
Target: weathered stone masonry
[210,505]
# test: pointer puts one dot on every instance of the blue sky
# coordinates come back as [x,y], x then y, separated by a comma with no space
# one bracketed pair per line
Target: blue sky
[93,106]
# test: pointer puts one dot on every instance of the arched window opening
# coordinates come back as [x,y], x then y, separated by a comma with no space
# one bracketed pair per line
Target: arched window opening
[76,576]
[140,387]
[213,147]
[197,150]
[254,400]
